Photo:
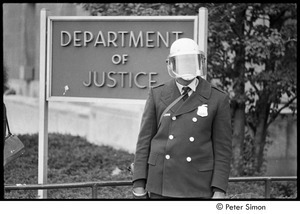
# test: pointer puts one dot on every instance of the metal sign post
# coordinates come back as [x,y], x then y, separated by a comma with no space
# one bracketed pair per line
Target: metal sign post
[202,31]
[43,109]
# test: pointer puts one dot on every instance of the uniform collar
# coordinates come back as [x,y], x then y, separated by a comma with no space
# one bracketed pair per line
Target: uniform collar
[196,99]
[170,92]
[193,85]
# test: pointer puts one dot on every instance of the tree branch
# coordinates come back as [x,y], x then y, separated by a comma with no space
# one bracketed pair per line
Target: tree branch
[255,87]
[273,117]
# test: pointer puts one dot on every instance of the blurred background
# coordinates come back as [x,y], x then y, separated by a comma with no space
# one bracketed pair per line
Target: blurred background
[252,55]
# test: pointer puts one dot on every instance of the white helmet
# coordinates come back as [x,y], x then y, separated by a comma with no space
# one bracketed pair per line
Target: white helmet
[185,60]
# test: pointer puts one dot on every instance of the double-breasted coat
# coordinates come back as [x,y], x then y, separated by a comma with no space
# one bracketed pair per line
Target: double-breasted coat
[190,152]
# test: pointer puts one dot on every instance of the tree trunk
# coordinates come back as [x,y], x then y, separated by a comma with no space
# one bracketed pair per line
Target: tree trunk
[239,100]
[238,104]
[238,136]
[261,134]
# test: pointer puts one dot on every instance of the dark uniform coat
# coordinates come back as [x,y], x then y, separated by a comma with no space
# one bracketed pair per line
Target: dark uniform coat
[190,152]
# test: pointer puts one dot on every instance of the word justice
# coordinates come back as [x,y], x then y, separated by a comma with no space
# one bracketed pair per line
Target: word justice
[113,79]
[148,39]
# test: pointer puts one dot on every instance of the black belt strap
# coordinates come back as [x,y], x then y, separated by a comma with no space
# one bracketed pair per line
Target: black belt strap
[169,107]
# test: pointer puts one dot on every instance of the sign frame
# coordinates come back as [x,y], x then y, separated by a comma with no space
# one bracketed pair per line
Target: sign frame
[51,19]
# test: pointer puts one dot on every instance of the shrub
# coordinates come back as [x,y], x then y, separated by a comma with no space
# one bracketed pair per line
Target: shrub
[70,159]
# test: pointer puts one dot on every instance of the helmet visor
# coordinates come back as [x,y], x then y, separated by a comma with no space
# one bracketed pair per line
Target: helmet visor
[186,66]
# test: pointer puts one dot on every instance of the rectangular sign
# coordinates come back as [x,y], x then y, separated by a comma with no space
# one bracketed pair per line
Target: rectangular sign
[110,57]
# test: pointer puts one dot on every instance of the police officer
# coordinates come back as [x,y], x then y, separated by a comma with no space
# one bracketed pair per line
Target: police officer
[184,152]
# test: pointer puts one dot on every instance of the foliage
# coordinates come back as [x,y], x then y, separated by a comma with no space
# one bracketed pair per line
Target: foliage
[255,190]
[73,159]
[284,190]
[244,190]
[141,9]
[252,52]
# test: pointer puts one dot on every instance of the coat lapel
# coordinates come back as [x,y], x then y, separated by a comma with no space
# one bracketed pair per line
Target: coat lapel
[169,94]
[199,97]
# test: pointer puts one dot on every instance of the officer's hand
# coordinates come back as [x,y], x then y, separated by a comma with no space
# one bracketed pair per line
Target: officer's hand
[139,193]
[218,195]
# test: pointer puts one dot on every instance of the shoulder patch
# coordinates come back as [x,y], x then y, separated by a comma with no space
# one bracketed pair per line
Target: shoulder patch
[213,86]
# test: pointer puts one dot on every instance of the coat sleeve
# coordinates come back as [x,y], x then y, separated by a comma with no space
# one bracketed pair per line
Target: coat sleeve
[222,145]
[147,131]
